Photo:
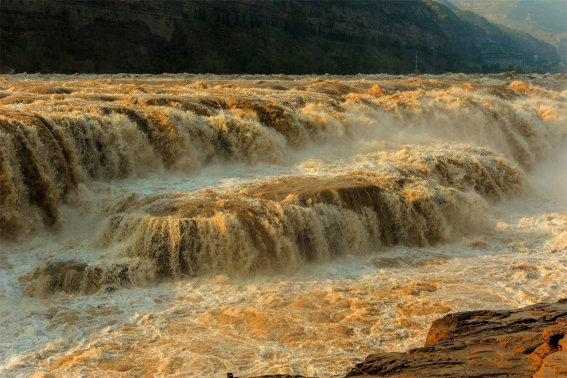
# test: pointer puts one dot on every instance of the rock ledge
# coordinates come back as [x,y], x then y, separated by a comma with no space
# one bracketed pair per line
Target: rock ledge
[527,342]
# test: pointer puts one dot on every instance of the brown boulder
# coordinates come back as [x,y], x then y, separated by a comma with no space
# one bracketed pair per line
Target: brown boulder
[507,343]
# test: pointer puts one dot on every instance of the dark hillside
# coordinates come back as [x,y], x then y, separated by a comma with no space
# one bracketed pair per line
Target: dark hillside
[545,20]
[510,39]
[246,36]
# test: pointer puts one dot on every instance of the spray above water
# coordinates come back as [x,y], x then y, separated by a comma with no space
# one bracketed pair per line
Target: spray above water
[216,185]
[400,188]
[100,130]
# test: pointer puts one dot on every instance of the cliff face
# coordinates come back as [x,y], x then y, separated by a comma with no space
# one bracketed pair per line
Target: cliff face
[512,39]
[246,36]
[543,19]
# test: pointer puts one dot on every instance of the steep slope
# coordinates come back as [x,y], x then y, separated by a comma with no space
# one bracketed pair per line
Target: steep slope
[248,36]
[512,40]
[544,19]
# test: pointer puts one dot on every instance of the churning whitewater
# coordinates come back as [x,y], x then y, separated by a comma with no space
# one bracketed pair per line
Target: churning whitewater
[193,225]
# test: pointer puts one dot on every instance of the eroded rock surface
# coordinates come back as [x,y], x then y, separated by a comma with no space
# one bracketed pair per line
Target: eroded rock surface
[510,343]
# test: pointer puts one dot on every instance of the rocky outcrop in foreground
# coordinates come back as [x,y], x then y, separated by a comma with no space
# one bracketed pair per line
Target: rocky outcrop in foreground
[527,342]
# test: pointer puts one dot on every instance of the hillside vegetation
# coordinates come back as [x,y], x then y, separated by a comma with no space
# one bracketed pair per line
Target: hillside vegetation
[246,36]
[546,20]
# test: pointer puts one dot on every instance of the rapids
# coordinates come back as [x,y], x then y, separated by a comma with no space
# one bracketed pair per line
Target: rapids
[178,225]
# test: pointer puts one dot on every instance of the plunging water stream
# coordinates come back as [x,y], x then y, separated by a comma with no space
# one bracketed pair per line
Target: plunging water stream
[182,225]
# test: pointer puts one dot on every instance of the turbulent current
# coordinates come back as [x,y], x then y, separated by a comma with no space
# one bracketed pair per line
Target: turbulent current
[182,225]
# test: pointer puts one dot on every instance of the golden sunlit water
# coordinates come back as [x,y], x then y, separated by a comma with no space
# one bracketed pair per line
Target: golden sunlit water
[194,225]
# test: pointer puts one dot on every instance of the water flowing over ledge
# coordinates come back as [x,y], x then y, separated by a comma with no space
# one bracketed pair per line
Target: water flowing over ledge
[207,216]
[57,134]
[98,130]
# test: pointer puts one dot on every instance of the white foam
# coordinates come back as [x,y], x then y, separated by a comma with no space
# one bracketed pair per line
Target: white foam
[324,316]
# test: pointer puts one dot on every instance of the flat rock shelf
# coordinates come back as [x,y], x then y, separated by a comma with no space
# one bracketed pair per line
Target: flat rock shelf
[527,342]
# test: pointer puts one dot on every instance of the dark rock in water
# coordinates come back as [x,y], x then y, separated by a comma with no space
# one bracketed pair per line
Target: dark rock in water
[76,278]
[510,343]
[68,276]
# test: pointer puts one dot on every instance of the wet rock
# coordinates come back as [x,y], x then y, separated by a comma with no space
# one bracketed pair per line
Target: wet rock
[506,343]
[554,365]
[76,278]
